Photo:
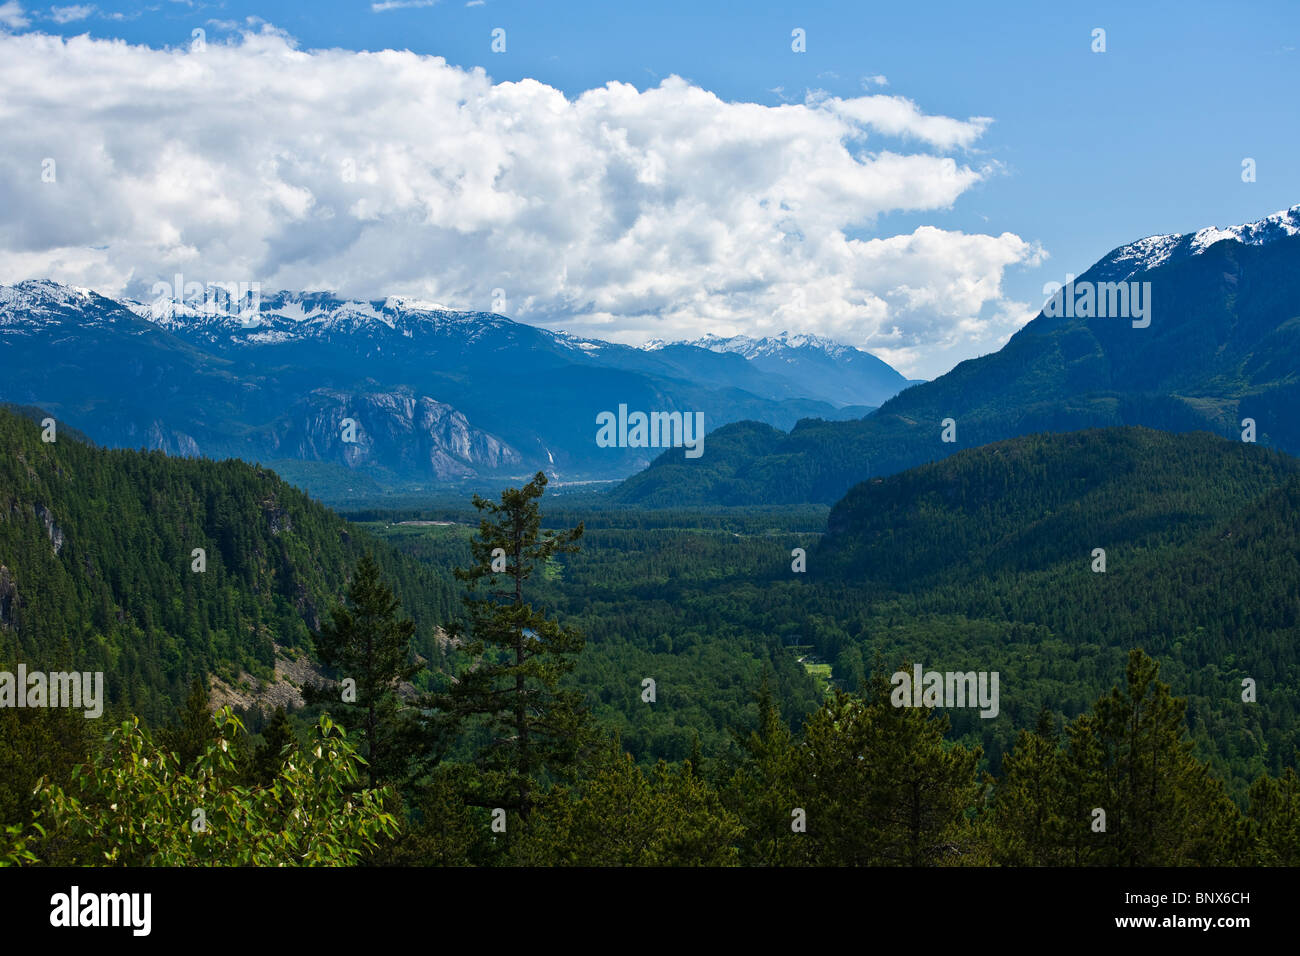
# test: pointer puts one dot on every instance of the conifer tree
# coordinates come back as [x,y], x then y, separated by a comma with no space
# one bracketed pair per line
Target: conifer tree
[883,787]
[1274,819]
[764,789]
[193,730]
[269,756]
[368,641]
[511,690]
[1032,801]
[1163,807]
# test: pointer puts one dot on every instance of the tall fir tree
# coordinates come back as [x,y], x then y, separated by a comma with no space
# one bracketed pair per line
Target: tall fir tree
[511,691]
[1274,819]
[269,755]
[367,641]
[1163,807]
[764,790]
[1032,805]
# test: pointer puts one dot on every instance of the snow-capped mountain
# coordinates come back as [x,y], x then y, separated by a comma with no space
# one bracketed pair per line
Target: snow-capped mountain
[433,394]
[829,370]
[289,316]
[752,348]
[36,303]
[1153,251]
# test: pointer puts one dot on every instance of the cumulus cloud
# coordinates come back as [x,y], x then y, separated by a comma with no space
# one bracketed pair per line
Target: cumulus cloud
[619,213]
[11,15]
[71,14]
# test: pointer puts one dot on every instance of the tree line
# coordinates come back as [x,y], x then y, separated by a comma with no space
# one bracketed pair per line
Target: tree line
[504,765]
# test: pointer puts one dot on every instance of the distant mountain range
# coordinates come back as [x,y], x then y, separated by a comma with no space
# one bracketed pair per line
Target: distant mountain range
[430,395]
[827,370]
[1222,345]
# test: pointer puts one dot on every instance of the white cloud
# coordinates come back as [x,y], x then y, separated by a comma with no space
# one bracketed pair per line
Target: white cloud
[11,15]
[71,14]
[387,5]
[898,116]
[618,213]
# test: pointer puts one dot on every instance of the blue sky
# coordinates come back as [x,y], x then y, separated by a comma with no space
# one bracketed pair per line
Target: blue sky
[1085,150]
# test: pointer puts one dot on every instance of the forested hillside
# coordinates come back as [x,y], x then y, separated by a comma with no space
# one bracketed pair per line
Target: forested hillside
[97,565]
[1042,500]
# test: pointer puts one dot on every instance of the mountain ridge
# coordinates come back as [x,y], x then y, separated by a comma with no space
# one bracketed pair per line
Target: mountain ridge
[435,395]
[1221,348]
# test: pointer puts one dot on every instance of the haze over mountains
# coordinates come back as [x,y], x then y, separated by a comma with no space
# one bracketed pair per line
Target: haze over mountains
[1221,346]
[827,370]
[440,396]
[436,395]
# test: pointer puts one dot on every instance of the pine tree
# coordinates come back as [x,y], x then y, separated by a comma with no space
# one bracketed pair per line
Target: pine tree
[268,757]
[1275,819]
[193,731]
[764,790]
[368,642]
[512,687]
[882,786]
[1131,758]
[1031,804]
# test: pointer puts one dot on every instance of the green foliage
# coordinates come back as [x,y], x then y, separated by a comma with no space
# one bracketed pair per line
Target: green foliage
[13,845]
[617,815]
[137,805]
[442,829]
[882,788]
[96,551]
[38,743]
[1274,820]
[1130,758]
[971,563]
[366,641]
[511,691]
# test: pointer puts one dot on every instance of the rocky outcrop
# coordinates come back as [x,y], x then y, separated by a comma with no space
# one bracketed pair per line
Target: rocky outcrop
[53,530]
[398,431]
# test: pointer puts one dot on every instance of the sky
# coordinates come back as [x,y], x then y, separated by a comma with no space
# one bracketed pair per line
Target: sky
[907,182]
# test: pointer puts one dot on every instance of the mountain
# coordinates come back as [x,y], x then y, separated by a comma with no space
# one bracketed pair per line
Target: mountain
[1146,254]
[825,369]
[97,567]
[987,559]
[1221,345]
[1025,504]
[433,395]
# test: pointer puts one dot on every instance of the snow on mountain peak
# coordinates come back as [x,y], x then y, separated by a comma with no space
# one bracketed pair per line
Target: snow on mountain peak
[35,302]
[1155,251]
[751,348]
